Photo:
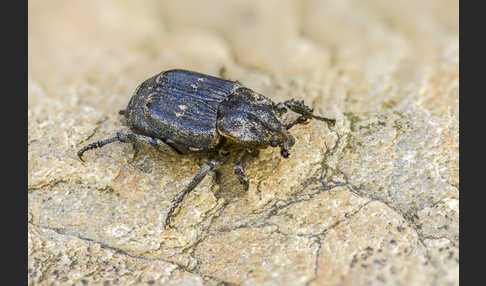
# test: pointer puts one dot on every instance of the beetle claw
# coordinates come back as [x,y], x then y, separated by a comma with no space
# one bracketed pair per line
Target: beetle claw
[284,153]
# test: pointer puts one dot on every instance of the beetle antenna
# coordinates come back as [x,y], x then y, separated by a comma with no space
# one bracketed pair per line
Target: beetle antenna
[299,120]
[305,111]
[329,121]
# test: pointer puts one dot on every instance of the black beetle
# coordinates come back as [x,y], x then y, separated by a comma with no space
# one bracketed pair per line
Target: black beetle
[198,113]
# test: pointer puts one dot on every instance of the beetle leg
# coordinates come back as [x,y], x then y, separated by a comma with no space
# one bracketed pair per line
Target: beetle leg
[242,161]
[123,137]
[96,144]
[195,181]
[305,112]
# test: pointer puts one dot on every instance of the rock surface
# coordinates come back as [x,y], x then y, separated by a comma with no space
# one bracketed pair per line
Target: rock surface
[370,201]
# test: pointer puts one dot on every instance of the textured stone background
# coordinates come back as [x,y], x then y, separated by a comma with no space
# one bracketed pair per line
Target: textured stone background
[371,201]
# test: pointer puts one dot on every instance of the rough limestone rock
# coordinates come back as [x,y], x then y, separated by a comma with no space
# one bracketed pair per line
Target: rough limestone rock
[373,200]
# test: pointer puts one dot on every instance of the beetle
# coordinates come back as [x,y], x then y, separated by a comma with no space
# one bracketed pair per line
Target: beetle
[195,113]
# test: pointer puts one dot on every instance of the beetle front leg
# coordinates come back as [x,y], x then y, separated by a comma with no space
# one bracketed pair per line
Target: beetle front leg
[241,162]
[195,181]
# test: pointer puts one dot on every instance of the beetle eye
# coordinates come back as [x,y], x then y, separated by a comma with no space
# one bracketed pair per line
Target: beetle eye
[274,142]
[281,109]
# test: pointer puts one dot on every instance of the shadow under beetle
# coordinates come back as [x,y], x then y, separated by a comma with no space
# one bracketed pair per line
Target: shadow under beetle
[198,113]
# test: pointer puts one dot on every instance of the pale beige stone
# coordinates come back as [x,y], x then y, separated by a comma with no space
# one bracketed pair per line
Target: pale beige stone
[60,259]
[375,246]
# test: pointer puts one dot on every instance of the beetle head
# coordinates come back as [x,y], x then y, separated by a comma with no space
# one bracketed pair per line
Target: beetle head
[250,119]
